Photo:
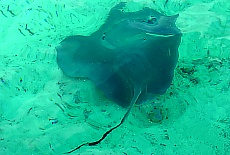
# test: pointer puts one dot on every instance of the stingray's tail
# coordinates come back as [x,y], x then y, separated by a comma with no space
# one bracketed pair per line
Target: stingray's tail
[137,93]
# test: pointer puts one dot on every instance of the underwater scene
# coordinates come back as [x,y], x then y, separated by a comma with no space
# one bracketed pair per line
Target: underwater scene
[117,77]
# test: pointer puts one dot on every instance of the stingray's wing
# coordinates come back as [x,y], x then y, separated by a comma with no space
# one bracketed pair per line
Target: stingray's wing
[79,56]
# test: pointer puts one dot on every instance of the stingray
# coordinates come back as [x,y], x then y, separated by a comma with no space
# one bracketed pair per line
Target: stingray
[130,58]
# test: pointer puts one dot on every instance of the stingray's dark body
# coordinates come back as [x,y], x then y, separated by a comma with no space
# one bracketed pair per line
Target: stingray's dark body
[131,49]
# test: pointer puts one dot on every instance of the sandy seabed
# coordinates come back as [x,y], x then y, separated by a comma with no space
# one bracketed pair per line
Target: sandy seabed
[45,112]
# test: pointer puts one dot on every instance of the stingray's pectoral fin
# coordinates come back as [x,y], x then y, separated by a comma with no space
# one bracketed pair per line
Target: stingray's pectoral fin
[137,93]
[119,6]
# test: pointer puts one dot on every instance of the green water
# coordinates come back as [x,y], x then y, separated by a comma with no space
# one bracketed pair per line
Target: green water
[44,112]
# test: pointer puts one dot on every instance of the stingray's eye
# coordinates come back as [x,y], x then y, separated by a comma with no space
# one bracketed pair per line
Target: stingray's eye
[103,37]
[152,20]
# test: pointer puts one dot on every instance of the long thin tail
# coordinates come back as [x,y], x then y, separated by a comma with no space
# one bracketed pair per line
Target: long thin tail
[137,93]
